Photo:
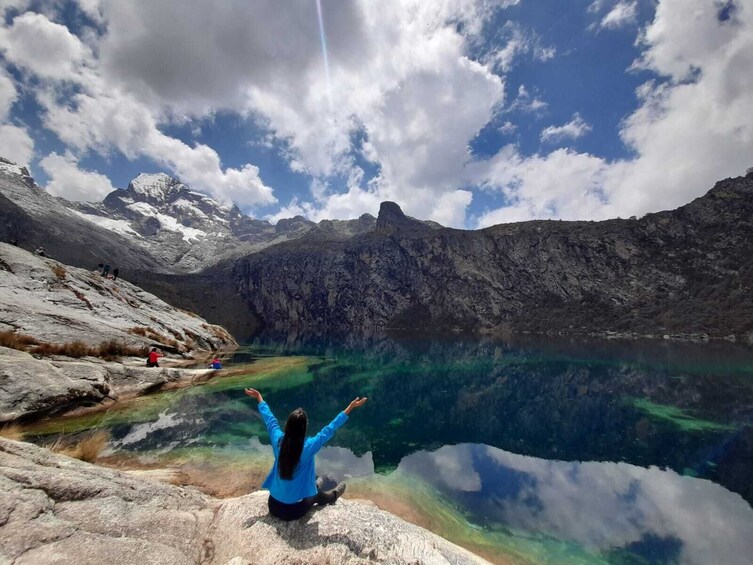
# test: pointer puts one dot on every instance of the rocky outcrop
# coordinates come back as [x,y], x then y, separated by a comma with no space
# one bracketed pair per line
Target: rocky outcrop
[684,271]
[34,387]
[57,303]
[54,509]
[70,312]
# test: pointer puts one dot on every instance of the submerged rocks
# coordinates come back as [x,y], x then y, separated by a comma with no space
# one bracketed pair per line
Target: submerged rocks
[54,509]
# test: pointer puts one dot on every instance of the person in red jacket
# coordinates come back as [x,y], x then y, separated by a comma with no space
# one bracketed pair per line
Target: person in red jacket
[152,360]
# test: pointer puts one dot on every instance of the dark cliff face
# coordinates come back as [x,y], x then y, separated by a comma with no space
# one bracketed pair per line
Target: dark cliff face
[687,270]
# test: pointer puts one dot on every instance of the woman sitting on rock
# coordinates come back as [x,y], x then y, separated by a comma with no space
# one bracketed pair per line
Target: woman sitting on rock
[216,363]
[292,484]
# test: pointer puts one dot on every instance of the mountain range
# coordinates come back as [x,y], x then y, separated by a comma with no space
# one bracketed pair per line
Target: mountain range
[682,272]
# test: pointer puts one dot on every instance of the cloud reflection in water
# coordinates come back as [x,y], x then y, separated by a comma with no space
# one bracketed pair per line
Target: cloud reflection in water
[602,506]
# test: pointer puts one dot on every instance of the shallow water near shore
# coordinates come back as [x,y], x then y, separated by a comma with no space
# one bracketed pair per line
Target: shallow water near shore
[526,451]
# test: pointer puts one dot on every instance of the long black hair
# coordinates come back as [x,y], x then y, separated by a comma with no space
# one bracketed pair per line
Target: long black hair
[291,446]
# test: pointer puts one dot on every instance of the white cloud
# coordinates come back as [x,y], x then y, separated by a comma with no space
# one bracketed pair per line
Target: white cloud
[527,104]
[15,144]
[8,95]
[575,128]
[688,134]
[563,184]
[68,181]
[93,9]
[43,47]
[622,14]
[401,74]
[519,41]
[13,4]
[508,128]
[596,6]
[103,117]
[690,130]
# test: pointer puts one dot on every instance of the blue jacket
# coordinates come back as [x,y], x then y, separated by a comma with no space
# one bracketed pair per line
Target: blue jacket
[303,483]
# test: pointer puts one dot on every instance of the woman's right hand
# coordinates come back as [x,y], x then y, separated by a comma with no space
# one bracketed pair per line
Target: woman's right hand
[357,402]
[253,393]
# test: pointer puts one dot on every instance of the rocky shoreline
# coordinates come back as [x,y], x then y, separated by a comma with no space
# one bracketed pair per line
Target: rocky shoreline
[54,509]
[37,387]
[72,334]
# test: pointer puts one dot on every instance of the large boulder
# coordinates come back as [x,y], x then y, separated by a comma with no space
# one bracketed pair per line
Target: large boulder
[54,509]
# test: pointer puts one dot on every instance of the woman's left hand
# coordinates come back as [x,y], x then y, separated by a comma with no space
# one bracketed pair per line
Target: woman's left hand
[357,402]
[253,393]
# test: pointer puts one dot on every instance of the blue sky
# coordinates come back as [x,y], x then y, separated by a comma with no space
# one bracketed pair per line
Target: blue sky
[466,112]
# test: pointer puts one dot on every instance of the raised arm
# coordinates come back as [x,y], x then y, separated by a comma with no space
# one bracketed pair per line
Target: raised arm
[273,426]
[318,441]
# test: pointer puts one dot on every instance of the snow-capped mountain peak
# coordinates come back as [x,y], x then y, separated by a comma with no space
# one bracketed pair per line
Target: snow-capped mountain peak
[175,227]
[159,187]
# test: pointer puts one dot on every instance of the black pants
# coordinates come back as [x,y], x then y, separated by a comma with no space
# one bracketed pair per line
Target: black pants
[150,364]
[298,510]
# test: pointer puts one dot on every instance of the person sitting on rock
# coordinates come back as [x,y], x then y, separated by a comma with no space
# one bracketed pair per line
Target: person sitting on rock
[215,364]
[292,484]
[153,359]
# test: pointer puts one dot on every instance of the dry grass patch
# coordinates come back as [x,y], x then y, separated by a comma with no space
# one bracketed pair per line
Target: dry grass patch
[59,271]
[114,349]
[176,334]
[192,335]
[75,349]
[16,341]
[159,338]
[12,431]
[86,449]
[109,350]
[82,298]
[140,330]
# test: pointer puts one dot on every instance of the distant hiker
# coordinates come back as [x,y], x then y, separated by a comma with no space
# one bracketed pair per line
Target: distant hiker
[215,364]
[115,272]
[292,484]
[105,270]
[40,251]
[153,359]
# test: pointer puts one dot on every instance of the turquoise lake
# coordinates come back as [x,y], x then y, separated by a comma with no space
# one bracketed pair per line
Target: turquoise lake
[528,450]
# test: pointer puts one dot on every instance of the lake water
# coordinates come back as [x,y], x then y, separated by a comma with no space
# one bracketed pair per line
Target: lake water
[530,450]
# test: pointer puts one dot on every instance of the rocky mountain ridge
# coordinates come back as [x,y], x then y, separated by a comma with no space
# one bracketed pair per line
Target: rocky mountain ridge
[683,272]
[679,272]
[156,224]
